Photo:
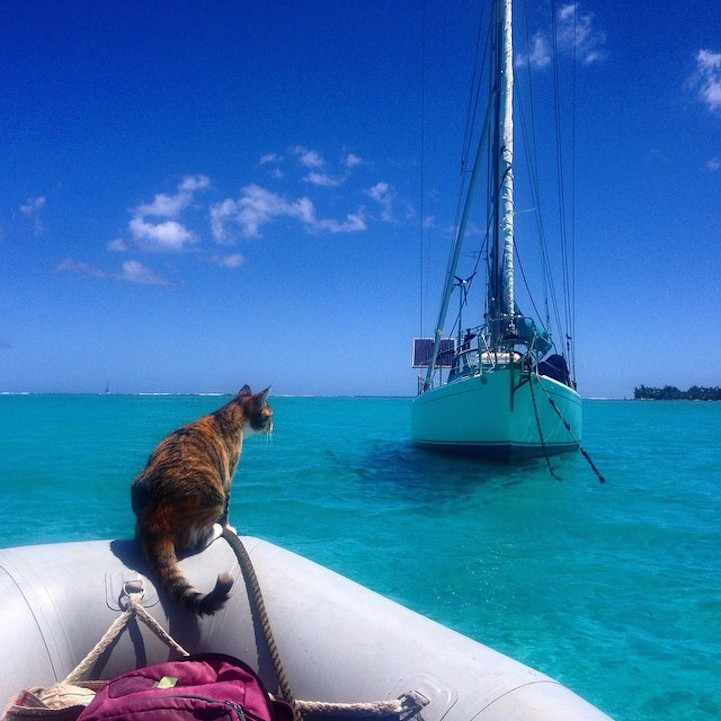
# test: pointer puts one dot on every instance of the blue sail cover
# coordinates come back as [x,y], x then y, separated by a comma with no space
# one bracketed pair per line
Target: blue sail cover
[529,333]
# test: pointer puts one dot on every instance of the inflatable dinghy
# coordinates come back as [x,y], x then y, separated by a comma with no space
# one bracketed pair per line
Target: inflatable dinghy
[337,641]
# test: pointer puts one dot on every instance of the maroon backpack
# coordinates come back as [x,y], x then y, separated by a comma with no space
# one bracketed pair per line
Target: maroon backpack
[204,687]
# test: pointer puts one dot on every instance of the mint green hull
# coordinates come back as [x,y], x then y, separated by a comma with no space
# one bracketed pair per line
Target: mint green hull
[497,415]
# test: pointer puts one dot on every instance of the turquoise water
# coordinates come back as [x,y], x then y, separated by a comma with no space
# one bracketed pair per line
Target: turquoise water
[614,589]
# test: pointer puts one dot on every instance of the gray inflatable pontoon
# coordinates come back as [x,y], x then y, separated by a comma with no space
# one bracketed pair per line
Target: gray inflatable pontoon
[337,640]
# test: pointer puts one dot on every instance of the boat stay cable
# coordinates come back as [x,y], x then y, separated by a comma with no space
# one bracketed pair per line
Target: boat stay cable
[455,255]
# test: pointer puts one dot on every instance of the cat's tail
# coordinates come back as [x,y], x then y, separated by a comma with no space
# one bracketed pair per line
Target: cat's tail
[161,554]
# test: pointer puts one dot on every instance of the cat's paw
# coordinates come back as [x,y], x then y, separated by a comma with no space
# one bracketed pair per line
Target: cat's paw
[231,528]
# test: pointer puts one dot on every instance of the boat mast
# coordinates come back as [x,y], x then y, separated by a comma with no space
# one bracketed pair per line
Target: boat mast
[502,302]
[506,159]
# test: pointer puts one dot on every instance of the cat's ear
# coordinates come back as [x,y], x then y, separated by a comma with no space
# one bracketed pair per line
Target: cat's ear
[245,391]
[262,397]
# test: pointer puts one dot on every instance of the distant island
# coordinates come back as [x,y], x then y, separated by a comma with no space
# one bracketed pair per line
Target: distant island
[671,393]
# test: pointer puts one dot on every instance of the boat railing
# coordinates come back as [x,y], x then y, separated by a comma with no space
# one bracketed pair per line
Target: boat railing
[492,359]
[484,357]
[465,363]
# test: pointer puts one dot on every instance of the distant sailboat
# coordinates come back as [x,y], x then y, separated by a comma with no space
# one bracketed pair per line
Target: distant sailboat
[509,393]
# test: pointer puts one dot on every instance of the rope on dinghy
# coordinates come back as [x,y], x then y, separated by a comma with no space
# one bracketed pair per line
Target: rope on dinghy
[402,708]
[251,579]
[133,593]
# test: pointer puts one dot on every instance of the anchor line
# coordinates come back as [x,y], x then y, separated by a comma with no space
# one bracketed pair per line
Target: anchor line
[538,425]
[584,453]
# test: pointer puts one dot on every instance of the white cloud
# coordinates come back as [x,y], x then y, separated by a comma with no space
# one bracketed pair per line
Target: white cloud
[353,223]
[33,205]
[713,164]
[315,164]
[167,206]
[708,78]
[168,235]
[540,54]
[308,158]
[258,206]
[70,265]
[131,271]
[577,36]
[270,158]
[383,194]
[234,260]
[322,179]
[32,210]
[191,183]
[135,272]
[220,215]
[274,160]
[170,206]
[118,245]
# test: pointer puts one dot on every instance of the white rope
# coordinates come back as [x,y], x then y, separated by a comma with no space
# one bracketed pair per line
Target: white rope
[134,609]
[392,707]
[408,703]
[133,594]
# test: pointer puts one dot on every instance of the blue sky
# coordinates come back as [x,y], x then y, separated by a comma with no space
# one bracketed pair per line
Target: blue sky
[200,195]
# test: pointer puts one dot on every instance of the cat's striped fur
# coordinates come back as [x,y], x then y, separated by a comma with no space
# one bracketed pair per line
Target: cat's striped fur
[180,498]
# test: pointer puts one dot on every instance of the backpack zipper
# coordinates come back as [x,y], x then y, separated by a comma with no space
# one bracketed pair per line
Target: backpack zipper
[237,708]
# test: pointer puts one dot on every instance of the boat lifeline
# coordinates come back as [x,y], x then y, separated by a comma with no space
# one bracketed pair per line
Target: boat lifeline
[509,392]
[337,641]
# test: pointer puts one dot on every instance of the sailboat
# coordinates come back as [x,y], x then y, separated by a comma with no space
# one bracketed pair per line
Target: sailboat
[509,392]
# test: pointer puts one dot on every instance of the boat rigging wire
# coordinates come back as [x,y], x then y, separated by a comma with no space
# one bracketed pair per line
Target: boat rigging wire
[530,145]
[549,288]
[421,270]
[572,329]
[565,243]
[479,62]
[519,262]
[458,243]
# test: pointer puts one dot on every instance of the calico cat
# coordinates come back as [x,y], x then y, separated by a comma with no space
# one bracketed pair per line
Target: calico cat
[180,498]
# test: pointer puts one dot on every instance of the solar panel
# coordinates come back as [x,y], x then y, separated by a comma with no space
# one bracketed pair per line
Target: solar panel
[423,347]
